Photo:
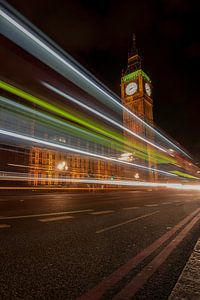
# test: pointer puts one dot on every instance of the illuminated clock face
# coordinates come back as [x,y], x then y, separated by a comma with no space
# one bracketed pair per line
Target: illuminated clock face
[148,89]
[131,88]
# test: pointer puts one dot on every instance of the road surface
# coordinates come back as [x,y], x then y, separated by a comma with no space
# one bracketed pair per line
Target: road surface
[97,245]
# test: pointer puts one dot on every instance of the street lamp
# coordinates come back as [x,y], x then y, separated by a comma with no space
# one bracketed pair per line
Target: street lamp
[126,157]
[137,176]
[62,166]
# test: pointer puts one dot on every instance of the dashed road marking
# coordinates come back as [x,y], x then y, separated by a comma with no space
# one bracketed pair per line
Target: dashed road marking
[4,226]
[151,205]
[102,212]
[166,203]
[46,214]
[129,208]
[55,219]
[126,222]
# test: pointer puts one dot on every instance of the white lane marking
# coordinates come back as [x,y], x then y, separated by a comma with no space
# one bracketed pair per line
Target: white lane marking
[138,191]
[184,195]
[191,200]
[55,219]
[102,212]
[62,197]
[151,205]
[4,226]
[132,207]
[166,203]
[47,214]
[126,222]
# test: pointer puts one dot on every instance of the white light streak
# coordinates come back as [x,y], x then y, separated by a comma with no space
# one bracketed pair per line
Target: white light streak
[24,177]
[58,146]
[52,119]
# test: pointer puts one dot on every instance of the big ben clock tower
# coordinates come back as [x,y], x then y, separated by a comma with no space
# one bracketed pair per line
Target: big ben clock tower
[136,95]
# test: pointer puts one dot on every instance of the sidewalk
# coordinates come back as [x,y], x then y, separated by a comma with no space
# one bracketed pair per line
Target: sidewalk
[188,284]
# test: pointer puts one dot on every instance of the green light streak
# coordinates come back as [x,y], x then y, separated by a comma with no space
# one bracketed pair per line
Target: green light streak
[63,127]
[182,174]
[55,109]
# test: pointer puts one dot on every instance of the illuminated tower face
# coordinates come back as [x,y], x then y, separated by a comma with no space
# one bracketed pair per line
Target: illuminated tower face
[136,92]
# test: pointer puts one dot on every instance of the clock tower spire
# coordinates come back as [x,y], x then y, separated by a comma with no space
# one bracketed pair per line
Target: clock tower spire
[133,49]
[134,60]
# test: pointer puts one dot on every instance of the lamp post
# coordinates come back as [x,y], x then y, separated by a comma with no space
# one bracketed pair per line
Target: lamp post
[62,167]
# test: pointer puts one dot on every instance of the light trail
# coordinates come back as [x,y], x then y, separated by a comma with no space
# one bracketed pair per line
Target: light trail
[27,166]
[58,146]
[182,174]
[52,121]
[102,116]
[63,113]
[83,76]
[25,177]
[183,186]
[57,110]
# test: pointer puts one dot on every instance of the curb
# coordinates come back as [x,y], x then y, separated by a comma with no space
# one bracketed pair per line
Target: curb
[188,284]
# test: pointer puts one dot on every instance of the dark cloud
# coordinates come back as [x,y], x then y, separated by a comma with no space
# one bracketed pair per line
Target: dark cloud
[172,30]
[193,50]
[98,34]
[177,6]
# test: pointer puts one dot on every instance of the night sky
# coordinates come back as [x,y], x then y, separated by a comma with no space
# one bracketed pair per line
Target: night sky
[98,34]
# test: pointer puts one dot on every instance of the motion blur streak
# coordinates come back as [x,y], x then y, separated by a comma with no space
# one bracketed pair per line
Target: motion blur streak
[54,122]
[102,116]
[75,71]
[63,113]
[24,177]
[53,108]
[58,146]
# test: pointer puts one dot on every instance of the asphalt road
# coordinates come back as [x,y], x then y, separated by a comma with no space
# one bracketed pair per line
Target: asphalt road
[98,245]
